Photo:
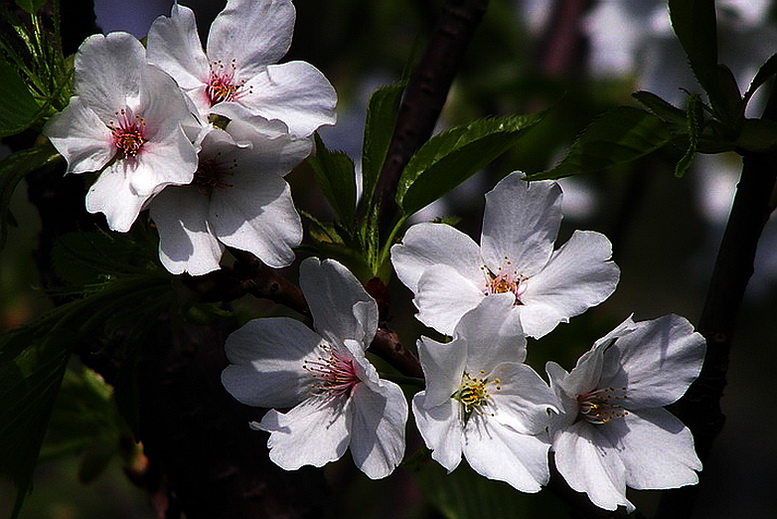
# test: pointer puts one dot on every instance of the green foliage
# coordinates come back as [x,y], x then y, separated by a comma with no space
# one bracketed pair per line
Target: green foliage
[378,130]
[31,6]
[619,136]
[18,108]
[695,25]
[695,123]
[766,71]
[334,172]
[13,169]
[450,158]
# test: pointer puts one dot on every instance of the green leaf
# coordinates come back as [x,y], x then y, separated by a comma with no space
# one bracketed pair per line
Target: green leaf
[450,158]
[618,136]
[336,177]
[694,125]
[13,169]
[31,6]
[695,24]
[758,136]
[378,130]
[766,71]
[18,108]
[666,111]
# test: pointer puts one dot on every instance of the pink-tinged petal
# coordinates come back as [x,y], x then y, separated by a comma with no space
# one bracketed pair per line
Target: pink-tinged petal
[523,399]
[443,365]
[578,276]
[340,306]
[500,453]
[657,361]
[112,194]
[81,137]
[590,464]
[440,426]
[443,297]
[174,46]
[492,333]
[378,428]
[521,222]
[656,448]
[186,241]
[254,33]
[315,432]
[429,244]
[296,93]
[266,357]
[162,105]
[108,70]
[256,214]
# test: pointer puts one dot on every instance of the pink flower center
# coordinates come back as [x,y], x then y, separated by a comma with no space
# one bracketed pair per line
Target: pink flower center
[336,372]
[602,405]
[128,133]
[222,85]
[506,279]
[212,173]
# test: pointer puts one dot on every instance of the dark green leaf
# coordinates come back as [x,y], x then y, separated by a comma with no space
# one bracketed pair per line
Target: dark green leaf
[335,175]
[696,27]
[758,136]
[666,111]
[727,101]
[12,171]
[694,125]
[31,6]
[378,130]
[766,71]
[18,108]
[450,158]
[618,136]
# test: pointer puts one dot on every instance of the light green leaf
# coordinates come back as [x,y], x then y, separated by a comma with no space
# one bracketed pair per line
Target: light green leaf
[378,130]
[695,25]
[448,159]
[618,136]
[13,169]
[18,108]
[336,177]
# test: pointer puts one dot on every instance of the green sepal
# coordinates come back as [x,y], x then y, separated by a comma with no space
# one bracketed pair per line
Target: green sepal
[618,136]
[450,158]
[335,174]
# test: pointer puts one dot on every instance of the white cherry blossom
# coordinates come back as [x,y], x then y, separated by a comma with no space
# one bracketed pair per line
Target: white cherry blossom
[238,198]
[450,274]
[337,399]
[482,402]
[612,430]
[126,122]
[237,74]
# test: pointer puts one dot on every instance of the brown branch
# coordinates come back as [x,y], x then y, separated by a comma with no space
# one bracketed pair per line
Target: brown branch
[700,408]
[426,94]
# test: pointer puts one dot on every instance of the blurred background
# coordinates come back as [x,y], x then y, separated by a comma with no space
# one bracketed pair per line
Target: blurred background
[578,57]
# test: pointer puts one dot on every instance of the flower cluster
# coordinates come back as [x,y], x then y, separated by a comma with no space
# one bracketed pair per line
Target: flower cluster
[144,119]
[604,422]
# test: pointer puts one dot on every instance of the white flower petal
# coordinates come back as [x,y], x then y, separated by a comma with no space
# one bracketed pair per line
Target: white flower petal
[108,70]
[174,46]
[590,464]
[498,452]
[296,93]
[254,33]
[443,365]
[656,448]
[429,244]
[313,433]
[578,276]
[657,361]
[443,297]
[81,137]
[266,357]
[521,222]
[523,398]
[169,160]
[274,151]
[378,428]
[186,241]
[441,429]
[256,214]
[113,195]
[340,306]
[492,333]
